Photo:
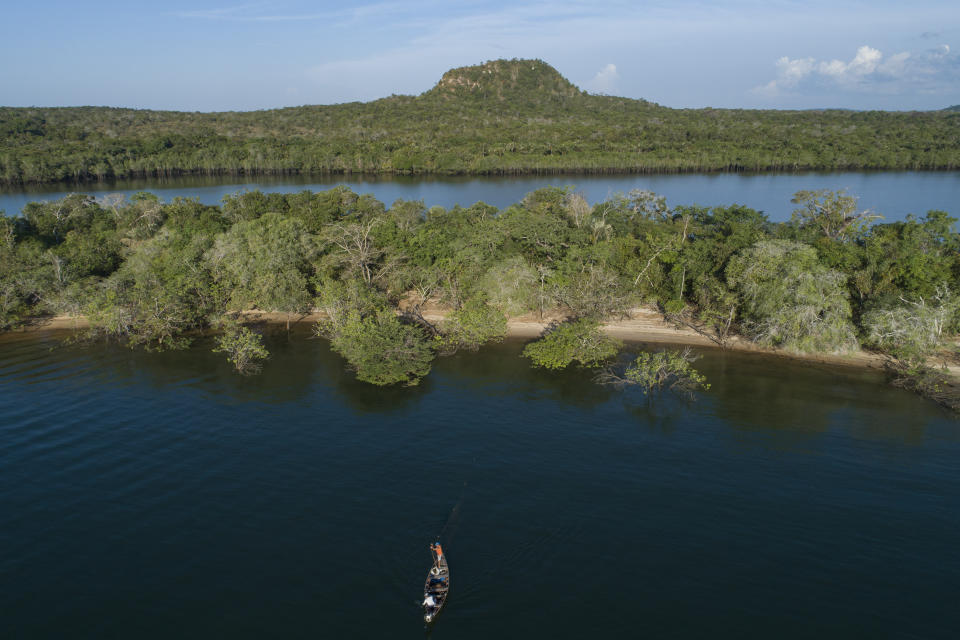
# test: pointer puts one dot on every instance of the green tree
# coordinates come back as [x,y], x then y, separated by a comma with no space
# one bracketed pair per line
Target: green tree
[542,237]
[909,258]
[162,291]
[581,342]
[142,217]
[25,277]
[92,253]
[912,331]
[250,205]
[832,214]
[382,350]
[790,300]
[265,263]
[662,371]
[352,251]
[51,221]
[243,347]
[342,300]
[474,324]
[511,286]
[592,291]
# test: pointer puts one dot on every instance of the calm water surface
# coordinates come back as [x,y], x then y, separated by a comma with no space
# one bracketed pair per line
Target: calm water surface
[160,495]
[893,194]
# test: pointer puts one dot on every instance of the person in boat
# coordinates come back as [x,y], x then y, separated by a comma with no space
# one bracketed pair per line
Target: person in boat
[438,550]
[429,602]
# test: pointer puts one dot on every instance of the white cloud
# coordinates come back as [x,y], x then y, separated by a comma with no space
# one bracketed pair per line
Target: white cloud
[868,71]
[866,61]
[863,64]
[789,74]
[606,80]
[793,71]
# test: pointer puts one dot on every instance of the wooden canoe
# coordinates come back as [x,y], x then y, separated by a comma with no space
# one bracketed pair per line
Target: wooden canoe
[437,586]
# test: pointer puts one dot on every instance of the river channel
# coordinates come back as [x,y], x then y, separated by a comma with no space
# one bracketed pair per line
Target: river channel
[160,495]
[893,195]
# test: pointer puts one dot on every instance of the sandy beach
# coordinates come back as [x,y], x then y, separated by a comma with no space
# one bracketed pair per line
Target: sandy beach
[641,324]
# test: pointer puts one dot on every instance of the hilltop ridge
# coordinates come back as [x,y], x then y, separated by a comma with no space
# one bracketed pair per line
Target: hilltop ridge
[505,79]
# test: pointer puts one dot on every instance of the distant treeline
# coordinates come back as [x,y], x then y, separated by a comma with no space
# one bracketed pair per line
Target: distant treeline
[505,117]
[150,273]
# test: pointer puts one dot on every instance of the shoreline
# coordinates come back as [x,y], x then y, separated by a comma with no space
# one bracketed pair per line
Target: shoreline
[389,174]
[641,325]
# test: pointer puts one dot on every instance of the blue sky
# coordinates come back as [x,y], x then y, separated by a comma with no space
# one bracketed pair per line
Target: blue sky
[209,56]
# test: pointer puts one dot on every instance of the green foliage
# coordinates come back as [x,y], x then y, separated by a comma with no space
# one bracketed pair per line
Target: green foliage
[95,253]
[504,117]
[24,277]
[910,258]
[243,347]
[161,292]
[382,350]
[189,217]
[378,346]
[265,263]
[832,214]
[352,251]
[592,292]
[50,222]
[143,216]
[790,300]
[341,300]
[250,205]
[152,273]
[913,330]
[474,324]
[540,236]
[581,342]
[661,371]
[511,286]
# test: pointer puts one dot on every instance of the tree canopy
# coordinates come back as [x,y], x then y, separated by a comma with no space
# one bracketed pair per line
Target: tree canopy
[152,274]
[503,117]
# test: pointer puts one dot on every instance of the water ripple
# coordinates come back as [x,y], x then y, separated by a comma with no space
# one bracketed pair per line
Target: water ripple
[133,485]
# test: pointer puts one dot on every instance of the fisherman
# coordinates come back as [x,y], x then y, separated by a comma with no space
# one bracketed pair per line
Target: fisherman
[437,550]
[429,602]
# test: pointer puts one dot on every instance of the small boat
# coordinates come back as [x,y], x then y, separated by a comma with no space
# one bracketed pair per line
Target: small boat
[437,587]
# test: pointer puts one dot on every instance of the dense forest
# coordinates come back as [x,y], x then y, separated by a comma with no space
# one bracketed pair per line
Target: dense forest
[153,274]
[518,116]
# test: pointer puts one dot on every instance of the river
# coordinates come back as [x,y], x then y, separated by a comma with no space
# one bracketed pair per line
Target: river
[891,194]
[159,495]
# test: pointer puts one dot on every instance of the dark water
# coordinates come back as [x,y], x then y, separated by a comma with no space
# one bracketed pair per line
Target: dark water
[162,496]
[893,194]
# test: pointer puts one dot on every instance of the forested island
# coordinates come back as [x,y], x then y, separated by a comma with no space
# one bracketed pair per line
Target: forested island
[503,117]
[154,274]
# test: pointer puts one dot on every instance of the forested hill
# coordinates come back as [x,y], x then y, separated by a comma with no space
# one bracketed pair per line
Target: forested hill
[516,116]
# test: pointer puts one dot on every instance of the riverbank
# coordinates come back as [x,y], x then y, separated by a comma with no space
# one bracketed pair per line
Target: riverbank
[641,325]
